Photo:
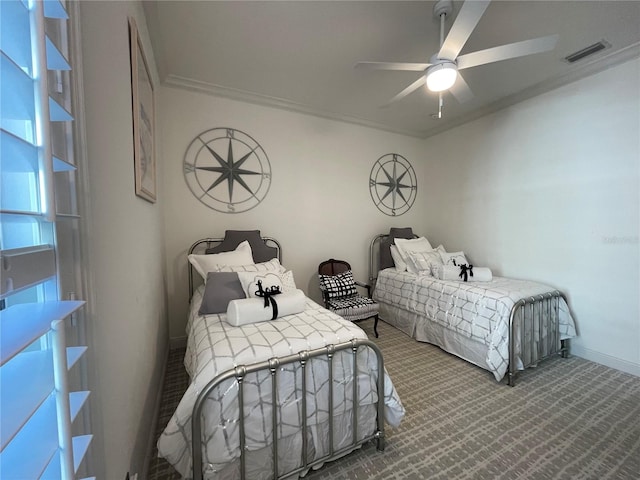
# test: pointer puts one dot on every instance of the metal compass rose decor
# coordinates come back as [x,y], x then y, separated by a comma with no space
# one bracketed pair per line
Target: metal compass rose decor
[393,184]
[227,170]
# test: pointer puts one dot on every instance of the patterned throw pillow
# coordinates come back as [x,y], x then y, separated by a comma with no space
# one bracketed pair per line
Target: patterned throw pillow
[288,283]
[405,246]
[272,265]
[454,258]
[426,262]
[249,281]
[337,286]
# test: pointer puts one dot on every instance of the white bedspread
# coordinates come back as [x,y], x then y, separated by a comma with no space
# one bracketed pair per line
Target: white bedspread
[214,346]
[479,311]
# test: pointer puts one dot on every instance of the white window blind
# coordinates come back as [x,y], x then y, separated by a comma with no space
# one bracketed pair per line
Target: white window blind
[42,395]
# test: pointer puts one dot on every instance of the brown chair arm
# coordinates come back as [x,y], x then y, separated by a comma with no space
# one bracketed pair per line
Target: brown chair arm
[325,296]
[364,285]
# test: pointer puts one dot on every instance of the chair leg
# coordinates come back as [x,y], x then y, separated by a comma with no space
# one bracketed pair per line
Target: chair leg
[375,327]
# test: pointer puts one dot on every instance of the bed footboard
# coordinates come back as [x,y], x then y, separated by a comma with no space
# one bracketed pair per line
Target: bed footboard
[534,327]
[271,366]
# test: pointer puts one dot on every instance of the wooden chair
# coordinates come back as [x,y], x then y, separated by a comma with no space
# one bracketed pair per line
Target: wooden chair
[340,295]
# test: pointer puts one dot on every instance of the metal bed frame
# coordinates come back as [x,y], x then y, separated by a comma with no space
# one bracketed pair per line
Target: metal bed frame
[272,365]
[542,343]
[539,347]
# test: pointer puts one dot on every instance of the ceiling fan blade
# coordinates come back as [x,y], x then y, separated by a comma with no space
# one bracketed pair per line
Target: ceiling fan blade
[461,90]
[407,67]
[467,19]
[411,88]
[505,52]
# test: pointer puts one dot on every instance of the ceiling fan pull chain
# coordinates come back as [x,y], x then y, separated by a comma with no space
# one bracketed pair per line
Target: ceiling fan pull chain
[443,17]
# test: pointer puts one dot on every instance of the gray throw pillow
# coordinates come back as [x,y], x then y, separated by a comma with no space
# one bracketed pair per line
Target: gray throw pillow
[221,288]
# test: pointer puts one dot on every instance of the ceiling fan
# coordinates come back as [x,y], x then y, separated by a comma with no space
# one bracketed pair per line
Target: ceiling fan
[442,71]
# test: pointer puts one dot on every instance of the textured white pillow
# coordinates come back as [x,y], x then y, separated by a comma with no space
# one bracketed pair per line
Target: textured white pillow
[426,263]
[454,258]
[288,283]
[272,265]
[400,264]
[405,246]
[249,282]
[204,264]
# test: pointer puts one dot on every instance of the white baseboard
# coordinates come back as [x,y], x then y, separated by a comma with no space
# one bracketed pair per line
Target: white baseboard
[177,342]
[607,360]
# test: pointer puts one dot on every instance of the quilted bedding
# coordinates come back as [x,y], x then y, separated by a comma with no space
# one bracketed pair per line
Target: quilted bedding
[478,311]
[214,346]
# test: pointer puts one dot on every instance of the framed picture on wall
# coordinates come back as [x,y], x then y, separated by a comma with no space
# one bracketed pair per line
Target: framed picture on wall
[143,106]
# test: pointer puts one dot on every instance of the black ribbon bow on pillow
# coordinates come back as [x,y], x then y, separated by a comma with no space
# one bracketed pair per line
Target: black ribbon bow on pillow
[465,271]
[268,297]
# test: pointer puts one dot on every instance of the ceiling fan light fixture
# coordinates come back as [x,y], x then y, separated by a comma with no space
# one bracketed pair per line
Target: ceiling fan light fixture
[442,76]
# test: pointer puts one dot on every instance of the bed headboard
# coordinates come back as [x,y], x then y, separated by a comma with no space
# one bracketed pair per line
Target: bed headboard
[262,248]
[380,252]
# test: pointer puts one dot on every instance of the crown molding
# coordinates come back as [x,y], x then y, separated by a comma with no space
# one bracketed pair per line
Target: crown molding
[275,102]
[589,68]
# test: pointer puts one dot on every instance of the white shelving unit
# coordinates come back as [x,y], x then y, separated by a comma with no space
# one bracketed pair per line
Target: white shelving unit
[38,409]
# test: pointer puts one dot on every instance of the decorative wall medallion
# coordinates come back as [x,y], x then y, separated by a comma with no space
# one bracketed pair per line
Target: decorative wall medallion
[227,170]
[393,184]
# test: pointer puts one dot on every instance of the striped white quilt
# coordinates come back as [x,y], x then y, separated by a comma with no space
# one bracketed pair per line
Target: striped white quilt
[215,346]
[478,311]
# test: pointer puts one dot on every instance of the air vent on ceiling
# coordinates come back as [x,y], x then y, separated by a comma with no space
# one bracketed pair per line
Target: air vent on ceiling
[587,51]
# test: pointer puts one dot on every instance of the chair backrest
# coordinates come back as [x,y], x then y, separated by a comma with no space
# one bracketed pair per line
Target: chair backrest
[333,267]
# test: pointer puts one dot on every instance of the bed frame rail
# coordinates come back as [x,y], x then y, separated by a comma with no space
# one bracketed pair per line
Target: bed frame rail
[272,365]
[535,322]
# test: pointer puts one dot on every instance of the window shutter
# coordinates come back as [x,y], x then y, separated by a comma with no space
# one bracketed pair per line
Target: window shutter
[41,372]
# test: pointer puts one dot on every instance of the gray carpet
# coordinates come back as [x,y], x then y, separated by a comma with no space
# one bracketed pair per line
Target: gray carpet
[566,419]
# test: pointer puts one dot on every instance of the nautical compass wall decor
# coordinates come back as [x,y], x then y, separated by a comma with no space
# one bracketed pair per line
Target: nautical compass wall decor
[227,170]
[393,184]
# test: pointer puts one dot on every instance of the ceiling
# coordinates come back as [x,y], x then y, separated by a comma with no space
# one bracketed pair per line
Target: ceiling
[300,55]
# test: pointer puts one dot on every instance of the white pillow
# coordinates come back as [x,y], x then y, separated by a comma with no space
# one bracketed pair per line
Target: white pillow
[288,283]
[204,264]
[271,265]
[426,263]
[249,282]
[454,258]
[401,266]
[405,246]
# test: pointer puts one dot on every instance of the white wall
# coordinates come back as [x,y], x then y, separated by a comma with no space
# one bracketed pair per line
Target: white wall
[548,190]
[128,326]
[545,190]
[318,206]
